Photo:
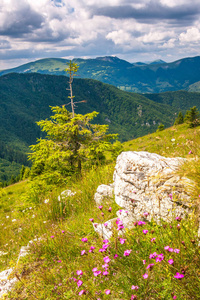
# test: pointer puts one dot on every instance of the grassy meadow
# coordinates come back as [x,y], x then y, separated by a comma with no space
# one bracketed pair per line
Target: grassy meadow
[68,260]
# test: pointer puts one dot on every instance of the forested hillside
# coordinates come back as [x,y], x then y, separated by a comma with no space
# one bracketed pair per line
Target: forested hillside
[179,100]
[26,98]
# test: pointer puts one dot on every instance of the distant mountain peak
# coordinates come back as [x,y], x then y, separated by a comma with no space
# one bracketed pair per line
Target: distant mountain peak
[112,59]
[157,61]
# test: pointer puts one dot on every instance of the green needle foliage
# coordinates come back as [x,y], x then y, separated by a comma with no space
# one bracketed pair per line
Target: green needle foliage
[179,119]
[192,117]
[71,144]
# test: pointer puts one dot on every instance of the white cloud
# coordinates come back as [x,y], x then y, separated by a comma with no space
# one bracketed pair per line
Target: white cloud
[119,37]
[191,35]
[169,44]
[87,28]
[155,36]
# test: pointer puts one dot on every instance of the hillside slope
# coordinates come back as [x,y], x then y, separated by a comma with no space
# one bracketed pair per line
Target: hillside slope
[179,100]
[141,78]
[26,98]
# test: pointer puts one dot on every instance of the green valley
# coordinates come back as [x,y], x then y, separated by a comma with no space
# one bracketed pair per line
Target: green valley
[26,98]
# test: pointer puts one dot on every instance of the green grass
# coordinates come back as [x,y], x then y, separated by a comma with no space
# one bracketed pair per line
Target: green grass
[49,272]
[172,142]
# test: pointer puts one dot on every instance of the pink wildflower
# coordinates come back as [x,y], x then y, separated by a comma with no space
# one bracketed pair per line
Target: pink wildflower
[135,287]
[115,256]
[94,269]
[107,292]
[79,272]
[153,240]
[176,250]
[178,275]
[96,273]
[144,261]
[153,255]
[106,259]
[175,297]
[119,224]
[145,214]
[133,297]
[100,207]
[122,241]
[105,246]
[160,257]
[105,241]
[150,266]
[102,250]
[105,266]
[84,240]
[110,208]
[145,231]
[105,272]
[83,252]
[170,261]
[140,223]
[91,249]
[82,292]
[145,276]
[79,282]
[166,248]
[127,252]
[91,220]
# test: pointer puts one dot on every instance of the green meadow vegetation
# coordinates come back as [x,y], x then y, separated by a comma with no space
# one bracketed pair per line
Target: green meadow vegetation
[66,258]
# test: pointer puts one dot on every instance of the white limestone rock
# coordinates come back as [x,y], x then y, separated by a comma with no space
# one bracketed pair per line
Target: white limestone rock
[6,284]
[146,182]
[103,191]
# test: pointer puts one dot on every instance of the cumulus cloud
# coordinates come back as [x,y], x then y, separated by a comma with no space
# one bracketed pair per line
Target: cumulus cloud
[16,20]
[191,35]
[130,29]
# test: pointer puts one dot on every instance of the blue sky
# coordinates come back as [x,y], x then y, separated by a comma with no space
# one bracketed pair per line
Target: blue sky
[134,30]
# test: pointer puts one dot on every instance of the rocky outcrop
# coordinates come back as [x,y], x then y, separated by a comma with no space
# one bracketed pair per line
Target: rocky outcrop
[147,183]
[7,281]
[103,191]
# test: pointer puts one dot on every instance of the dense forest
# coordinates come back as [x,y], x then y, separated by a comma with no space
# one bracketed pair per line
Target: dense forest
[27,98]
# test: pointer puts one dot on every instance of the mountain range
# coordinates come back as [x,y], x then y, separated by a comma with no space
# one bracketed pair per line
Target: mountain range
[154,77]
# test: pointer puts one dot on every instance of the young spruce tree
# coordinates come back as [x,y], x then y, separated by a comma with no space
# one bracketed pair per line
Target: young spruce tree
[192,117]
[71,144]
[179,119]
